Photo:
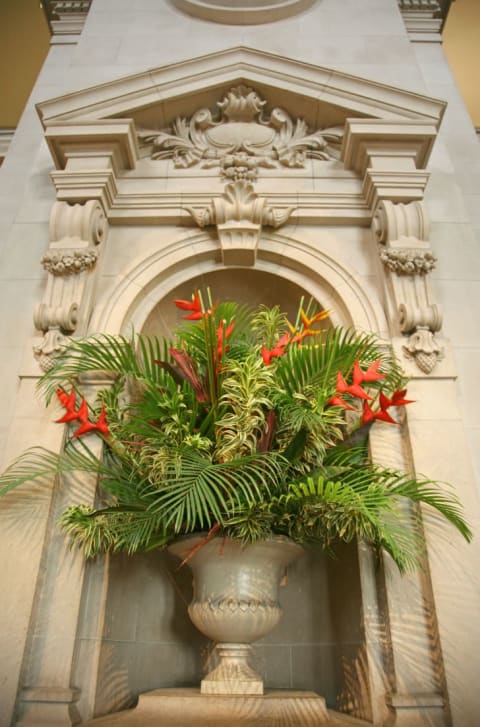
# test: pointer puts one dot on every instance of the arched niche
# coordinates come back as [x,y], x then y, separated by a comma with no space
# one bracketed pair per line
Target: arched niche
[147,638]
[181,264]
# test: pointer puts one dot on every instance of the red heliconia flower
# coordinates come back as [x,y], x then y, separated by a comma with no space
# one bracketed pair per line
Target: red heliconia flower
[397,399]
[194,305]
[99,426]
[68,401]
[370,415]
[338,401]
[353,389]
[371,374]
[102,425]
[277,351]
[223,334]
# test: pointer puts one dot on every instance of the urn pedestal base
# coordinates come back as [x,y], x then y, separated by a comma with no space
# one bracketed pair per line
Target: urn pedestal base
[189,708]
[233,675]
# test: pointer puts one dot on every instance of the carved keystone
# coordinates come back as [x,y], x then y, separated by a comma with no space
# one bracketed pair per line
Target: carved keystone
[239,215]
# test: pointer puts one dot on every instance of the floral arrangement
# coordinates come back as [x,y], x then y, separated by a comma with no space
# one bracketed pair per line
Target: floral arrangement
[244,424]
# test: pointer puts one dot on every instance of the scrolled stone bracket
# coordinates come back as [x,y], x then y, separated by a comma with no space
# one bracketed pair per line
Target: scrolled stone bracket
[402,231]
[76,232]
[239,215]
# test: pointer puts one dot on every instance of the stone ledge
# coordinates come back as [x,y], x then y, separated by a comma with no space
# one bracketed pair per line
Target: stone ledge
[184,707]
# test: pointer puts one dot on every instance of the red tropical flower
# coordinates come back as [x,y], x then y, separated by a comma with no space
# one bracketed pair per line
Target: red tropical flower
[338,401]
[397,399]
[371,374]
[354,389]
[194,305]
[223,334]
[68,401]
[277,351]
[86,426]
[370,415]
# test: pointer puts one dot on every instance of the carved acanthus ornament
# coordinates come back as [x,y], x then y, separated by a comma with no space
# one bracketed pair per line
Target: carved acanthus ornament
[402,231]
[75,232]
[240,135]
[239,215]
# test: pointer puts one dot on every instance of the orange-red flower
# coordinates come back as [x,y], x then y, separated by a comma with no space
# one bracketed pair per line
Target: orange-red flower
[194,305]
[223,334]
[370,415]
[86,426]
[354,389]
[81,415]
[371,374]
[277,351]
[308,322]
[68,401]
[397,399]
[338,401]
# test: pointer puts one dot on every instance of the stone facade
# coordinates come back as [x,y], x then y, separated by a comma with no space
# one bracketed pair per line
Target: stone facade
[310,154]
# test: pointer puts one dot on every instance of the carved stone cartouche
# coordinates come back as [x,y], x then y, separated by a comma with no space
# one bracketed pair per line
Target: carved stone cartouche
[241,136]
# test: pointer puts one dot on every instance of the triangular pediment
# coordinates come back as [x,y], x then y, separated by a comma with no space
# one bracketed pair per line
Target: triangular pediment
[322,96]
[122,113]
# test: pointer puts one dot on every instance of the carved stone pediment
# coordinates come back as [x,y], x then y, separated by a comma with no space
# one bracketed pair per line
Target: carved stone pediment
[241,136]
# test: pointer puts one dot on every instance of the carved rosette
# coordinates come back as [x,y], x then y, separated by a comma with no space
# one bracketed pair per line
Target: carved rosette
[239,215]
[239,138]
[402,231]
[76,231]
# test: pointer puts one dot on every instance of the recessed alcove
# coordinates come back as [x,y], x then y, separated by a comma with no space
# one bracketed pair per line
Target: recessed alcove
[245,285]
[147,640]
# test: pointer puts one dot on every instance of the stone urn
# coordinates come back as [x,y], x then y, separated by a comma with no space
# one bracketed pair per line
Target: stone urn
[235,601]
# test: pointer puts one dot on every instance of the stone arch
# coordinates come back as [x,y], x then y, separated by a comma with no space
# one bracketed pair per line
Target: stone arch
[149,279]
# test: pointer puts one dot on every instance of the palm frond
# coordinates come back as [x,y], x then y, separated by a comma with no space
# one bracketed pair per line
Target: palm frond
[197,492]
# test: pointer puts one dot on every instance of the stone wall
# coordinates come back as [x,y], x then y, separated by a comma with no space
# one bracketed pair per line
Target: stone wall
[57,633]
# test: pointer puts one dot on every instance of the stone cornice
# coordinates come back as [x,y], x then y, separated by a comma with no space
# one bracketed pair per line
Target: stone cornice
[114,136]
[366,139]
[6,136]
[66,17]
[171,208]
[424,19]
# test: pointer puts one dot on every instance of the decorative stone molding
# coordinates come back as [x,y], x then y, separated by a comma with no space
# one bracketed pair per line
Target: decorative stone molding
[75,232]
[239,215]
[400,221]
[243,13]
[423,18]
[408,262]
[66,17]
[69,263]
[241,132]
[402,231]
[390,156]
[6,136]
